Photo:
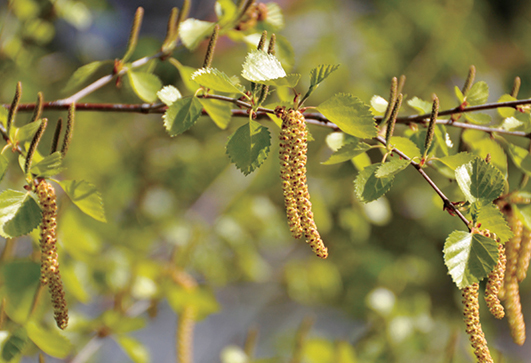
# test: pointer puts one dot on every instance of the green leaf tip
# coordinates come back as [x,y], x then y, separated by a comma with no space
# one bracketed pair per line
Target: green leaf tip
[86,197]
[470,257]
[480,181]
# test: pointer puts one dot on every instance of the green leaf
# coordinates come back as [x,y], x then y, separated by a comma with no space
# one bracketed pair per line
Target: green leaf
[219,111]
[26,132]
[169,94]
[50,341]
[487,146]
[145,85]
[441,139]
[478,118]
[19,213]
[506,111]
[182,115]
[85,196]
[406,146]
[216,80]
[478,94]
[421,106]
[83,73]
[133,348]
[20,279]
[4,163]
[260,66]
[3,115]
[520,157]
[193,31]
[248,146]
[347,152]
[470,257]
[456,160]
[519,122]
[391,168]
[290,81]
[49,166]
[319,74]
[480,181]
[378,105]
[14,345]
[350,114]
[186,75]
[226,11]
[492,219]
[368,187]
[459,94]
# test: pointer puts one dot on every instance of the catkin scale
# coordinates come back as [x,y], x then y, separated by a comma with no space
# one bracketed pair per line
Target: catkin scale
[50,274]
[473,325]
[292,153]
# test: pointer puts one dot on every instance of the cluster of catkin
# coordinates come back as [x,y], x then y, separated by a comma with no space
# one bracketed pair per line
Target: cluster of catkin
[517,254]
[50,274]
[292,153]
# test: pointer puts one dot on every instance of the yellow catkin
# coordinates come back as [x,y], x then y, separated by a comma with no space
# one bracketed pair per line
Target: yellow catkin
[185,334]
[473,325]
[524,256]
[494,283]
[294,128]
[512,249]
[513,309]
[50,274]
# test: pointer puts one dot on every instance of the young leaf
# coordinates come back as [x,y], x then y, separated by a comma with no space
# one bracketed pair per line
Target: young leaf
[219,111]
[248,146]
[319,74]
[169,94]
[83,73]
[347,152]
[392,168]
[215,80]
[350,114]
[50,341]
[133,348]
[182,115]
[226,11]
[492,219]
[378,105]
[368,187]
[193,31]
[470,257]
[406,146]
[290,81]
[421,106]
[3,116]
[145,85]
[49,166]
[85,196]
[260,66]
[14,345]
[487,146]
[19,213]
[456,160]
[480,181]
[21,279]
[520,157]
[506,111]
[478,118]
[4,163]
[26,132]
[186,74]
[478,94]
[459,94]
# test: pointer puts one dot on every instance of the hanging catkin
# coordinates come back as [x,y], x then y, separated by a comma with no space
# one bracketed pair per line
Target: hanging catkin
[473,325]
[293,149]
[50,274]
[494,283]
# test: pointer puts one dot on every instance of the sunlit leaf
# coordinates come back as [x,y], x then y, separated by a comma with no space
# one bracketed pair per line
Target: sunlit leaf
[193,31]
[86,197]
[274,18]
[26,132]
[216,80]
[392,168]
[480,181]
[169,94]
[350,114]
[133,348]
[470,257]
[226,11]
[19,213]
[4,163]
[378,105]
[421,106]
[347,152]
[319,74]
[488,147]
[459,94]
[49,166]
[456,160]
[248,146]
[478,94]
[492,219]
[478,118]
[83,73]
[520,157]
[145,85]
[186,75]
[219,111]
[406,146]
[182,115]
[369,187]
[50,341]
[260,66]
[3,115]
[506,111]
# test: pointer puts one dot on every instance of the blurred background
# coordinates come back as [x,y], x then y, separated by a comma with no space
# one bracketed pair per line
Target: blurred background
[383,295]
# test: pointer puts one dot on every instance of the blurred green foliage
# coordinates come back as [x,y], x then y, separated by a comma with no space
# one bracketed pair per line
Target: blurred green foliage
[178,204]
